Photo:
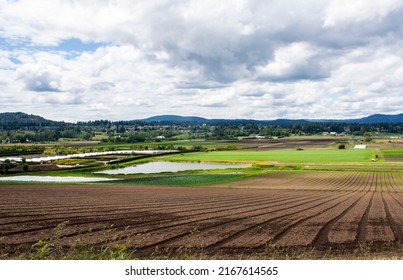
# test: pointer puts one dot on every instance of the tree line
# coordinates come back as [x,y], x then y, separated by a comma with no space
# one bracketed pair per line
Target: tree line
[137,132]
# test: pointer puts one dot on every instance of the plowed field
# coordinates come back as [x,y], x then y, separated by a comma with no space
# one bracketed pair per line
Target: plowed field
[319,210]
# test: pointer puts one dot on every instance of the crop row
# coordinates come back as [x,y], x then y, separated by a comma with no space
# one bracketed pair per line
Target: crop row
[318,209]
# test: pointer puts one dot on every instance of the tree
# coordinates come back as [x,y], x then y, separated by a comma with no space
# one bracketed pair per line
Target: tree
[6,166]
[24,165]
[367,137]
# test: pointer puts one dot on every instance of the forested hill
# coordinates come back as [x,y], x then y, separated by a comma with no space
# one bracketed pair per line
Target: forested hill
[175,119]
[377,118]
[10,121]
[22,128]
[170,119]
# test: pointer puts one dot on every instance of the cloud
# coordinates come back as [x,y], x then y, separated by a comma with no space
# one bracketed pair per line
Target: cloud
[253,94]
[292,62]
[57,98]
[41,81]
[102,86]
[98,107]
[6,61]
[347,12]
[214,59]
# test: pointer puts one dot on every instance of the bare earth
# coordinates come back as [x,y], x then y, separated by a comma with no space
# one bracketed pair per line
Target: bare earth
[244,219]
[290,143]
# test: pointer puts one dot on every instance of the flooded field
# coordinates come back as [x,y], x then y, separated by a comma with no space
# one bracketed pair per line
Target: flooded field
[83,155]
[55,179]
[162,166]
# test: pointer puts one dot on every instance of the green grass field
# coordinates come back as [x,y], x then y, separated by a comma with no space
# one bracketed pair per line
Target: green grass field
[288,156]
[182,180]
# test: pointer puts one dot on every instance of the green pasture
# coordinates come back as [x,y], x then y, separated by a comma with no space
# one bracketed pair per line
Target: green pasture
[182,180]
[288,156]
[392,151]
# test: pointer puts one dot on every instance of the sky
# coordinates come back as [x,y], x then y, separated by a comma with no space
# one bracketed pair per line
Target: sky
[76,60]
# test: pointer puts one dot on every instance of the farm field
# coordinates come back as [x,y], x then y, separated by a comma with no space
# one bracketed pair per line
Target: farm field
[393,155]
[284,214]
[306,156]
[305,142]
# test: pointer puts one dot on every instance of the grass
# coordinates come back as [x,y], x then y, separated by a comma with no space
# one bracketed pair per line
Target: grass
[293,156]
[124,250]
[182,180]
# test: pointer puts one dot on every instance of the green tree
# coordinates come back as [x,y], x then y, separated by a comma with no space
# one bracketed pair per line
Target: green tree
[6,166]
[367,137]
[24,165]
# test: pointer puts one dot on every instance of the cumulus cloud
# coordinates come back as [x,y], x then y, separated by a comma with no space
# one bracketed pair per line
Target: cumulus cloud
[215,59]
[345,12]
[295,61]
[57,99]
[40,81]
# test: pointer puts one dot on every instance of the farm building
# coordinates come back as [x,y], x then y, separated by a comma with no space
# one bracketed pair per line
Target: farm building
[360,146]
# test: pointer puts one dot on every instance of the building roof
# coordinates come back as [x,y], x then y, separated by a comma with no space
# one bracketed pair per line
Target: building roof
[360,146]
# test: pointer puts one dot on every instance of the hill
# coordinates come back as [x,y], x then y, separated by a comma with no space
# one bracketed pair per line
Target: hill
[377,118]
[193,119]
[175,119]
[21,120]
[380,118]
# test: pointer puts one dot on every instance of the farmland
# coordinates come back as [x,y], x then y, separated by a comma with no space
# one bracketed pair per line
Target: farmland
[253,217]
[307,200]
[393,155]
[282,155]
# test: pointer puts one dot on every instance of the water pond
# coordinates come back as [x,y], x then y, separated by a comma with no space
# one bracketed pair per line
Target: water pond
[56,179]
[83,155]
[164,166]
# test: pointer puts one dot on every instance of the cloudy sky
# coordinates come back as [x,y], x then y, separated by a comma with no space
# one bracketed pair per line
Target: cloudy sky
[121,59]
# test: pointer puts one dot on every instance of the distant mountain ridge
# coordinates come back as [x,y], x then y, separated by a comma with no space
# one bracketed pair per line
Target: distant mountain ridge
[377,118]
[175,118]
[192,119]
[21,120]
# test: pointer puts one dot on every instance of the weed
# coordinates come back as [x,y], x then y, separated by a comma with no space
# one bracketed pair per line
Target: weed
[41,250]
[117,252]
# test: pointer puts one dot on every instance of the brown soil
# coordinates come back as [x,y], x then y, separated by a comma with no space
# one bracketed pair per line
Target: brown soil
[38,167]
[318,210]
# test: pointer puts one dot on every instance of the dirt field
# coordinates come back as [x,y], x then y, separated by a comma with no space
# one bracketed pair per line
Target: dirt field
[341,211]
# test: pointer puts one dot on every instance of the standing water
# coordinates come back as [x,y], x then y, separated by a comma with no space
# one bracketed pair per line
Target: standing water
[164,166]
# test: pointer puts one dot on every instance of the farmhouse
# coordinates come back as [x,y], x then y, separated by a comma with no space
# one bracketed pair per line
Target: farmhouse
[333,133]
[360,146]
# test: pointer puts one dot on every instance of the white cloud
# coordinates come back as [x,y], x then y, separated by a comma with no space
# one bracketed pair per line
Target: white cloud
[214,59]
[346,12]
[290,62]
[98,107]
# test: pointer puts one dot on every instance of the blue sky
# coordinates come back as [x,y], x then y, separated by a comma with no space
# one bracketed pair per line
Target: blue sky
[85,60]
